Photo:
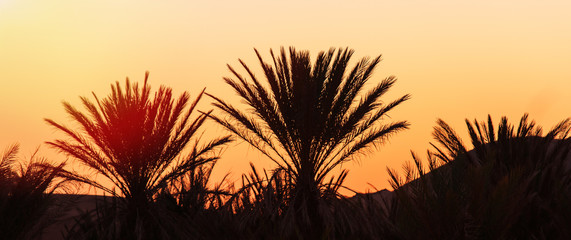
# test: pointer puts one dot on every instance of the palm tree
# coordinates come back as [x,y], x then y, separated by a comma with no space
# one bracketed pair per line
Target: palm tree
[309,118]
[136,141]
[515,183]
[26,204]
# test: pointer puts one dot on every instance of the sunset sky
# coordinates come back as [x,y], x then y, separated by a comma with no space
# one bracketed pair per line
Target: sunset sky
[458,59]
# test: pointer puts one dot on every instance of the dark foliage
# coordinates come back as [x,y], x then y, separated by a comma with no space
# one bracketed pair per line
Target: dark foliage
[137,141]
[514,184]
[26,206]
[308,118]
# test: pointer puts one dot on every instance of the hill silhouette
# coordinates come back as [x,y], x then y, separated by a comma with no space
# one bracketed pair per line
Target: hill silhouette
[386,195]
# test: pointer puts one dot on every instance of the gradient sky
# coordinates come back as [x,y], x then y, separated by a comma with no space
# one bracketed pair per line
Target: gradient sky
[458,59]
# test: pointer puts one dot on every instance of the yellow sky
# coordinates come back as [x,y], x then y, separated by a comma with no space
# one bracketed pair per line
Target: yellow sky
[458,59]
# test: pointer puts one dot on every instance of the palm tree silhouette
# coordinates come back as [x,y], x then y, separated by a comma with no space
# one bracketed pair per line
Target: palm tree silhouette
[26,204]
[136,141]
[514,184]
[310,117]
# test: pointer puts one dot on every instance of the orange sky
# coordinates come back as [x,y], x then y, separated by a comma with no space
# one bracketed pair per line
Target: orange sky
[458,59]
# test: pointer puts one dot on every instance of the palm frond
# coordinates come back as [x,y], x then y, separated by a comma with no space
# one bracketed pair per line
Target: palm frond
[308,118]
[136,140]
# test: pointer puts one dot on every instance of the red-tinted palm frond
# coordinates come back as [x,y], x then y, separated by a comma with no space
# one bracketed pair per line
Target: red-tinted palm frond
[137,139]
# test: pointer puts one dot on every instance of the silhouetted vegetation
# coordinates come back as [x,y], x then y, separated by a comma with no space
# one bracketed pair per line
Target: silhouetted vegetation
[308,117]
[26,205]
[514,184]
[137,141]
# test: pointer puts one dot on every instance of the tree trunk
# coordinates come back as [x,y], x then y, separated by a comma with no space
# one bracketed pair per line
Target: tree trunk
[306,206]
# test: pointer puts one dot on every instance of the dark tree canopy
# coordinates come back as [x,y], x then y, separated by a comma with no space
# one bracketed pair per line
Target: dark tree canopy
[310,117]
[136,140]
